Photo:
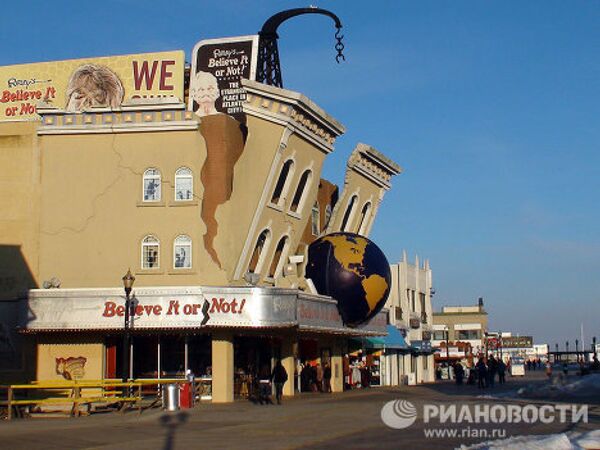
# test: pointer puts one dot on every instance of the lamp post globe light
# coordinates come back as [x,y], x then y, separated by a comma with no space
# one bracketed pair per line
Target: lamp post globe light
[128,281]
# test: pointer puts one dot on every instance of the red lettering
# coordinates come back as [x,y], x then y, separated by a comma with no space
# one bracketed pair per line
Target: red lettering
[173,308]
[144,74]
[5,97]
[164,74]
[139,309]
[187,309]
[157,310]
[242,305]
[109,309]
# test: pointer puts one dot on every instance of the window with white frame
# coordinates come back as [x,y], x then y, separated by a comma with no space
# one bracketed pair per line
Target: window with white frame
[316,219]
[182,252]
[150,252]
[298,199]
[184,184]
[151,185]
[278,192]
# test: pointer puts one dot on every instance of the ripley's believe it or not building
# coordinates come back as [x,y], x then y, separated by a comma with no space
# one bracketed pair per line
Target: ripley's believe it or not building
[203,181]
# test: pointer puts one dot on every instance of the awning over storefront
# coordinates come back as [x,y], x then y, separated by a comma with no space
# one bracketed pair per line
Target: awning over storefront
[394,339]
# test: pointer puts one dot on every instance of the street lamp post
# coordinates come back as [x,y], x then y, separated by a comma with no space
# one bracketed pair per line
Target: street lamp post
[567,347]
[577,350]
[128,281]
[556,353]
[500,344]
[594,346]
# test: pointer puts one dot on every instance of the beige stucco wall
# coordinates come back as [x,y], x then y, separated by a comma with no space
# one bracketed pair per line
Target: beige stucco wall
[49,349]
[19,182]
[92,213]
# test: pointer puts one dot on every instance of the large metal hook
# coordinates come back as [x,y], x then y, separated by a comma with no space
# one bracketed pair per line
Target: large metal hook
[339,46]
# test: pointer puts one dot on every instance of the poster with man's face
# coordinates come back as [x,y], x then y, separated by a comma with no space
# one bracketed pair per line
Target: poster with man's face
[218,65]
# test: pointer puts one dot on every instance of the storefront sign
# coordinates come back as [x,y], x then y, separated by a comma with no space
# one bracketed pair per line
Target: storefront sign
[218,65]
[517,342]
[166,308]
[100,309]
[78,84]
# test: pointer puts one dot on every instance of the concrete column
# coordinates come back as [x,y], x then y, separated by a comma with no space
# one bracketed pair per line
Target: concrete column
[288,360]
[337,367]
[222,366]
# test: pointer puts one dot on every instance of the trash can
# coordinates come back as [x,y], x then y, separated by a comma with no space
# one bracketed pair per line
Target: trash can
[171,397]
[186,400]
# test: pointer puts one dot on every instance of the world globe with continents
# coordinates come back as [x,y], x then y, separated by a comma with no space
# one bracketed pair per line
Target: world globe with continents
[354,271]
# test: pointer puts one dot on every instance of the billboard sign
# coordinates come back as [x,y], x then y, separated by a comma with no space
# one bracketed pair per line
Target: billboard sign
[78,84]
[218,65]
[517,342]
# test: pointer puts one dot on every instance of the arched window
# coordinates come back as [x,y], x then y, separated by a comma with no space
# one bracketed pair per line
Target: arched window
[184,184]
[277,263]
[258,255]
[315,219]
[151,185]
[182,252]
[300,191]
[348,213]
[364,218]
[282,182]
[150,252]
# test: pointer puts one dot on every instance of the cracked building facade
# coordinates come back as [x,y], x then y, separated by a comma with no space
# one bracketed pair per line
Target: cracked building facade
[212,216]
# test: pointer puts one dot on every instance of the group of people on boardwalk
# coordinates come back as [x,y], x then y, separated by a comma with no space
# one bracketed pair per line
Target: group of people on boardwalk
[315,378]
[484,372]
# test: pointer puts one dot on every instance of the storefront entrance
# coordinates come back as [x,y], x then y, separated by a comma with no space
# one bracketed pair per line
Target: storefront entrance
[160,355]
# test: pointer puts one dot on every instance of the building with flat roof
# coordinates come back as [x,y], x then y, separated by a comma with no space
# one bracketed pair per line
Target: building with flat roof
[460,331]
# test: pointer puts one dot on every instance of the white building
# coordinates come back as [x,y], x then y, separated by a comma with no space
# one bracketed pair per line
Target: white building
[409,304]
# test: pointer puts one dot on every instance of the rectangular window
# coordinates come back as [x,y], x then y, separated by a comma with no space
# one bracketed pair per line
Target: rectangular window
[183,254]
[422,301]
[184,189]
[150,256]
[412,301]
[468,334]
[439,335]
[398,313]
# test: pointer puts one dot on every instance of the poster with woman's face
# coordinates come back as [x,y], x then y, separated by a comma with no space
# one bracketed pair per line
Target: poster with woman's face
[218,65]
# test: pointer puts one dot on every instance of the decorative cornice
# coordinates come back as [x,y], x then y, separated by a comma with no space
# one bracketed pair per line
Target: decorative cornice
[129,118]
[293,110]
[373,165]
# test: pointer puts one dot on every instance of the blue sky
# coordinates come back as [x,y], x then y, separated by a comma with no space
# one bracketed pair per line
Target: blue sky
[490,107]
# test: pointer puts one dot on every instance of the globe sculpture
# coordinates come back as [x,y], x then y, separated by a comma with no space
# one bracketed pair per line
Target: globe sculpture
[354,271]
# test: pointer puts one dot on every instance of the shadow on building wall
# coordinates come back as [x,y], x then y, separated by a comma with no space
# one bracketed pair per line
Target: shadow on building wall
[17,351]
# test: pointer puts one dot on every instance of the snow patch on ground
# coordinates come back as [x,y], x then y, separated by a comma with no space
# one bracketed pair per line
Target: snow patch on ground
[562,441]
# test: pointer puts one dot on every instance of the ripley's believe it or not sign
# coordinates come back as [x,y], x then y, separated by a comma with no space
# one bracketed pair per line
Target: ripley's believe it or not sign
[159,308]
[79,84]
[218,65]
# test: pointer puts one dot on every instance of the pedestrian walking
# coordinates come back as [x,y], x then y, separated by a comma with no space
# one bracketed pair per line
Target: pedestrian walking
[492,370]
[501,372]
[481,373]
[319,376]
[279,377]
[459,373]
[327,378]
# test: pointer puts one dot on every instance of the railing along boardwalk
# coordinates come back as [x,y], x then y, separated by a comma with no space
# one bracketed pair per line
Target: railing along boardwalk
[79,392]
